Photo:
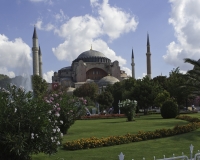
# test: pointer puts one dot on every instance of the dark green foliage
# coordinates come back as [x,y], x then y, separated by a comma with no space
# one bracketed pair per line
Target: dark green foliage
[4,81]
[116,90]
[161,98]
[176,86]
[105,99]
[87,90]
[120,90]
[39,86]
[161,80]
[2,76]
[145,92]
[193,76]
[169,109]
[89,101]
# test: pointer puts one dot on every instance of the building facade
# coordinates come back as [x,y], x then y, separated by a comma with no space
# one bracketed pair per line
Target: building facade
[89,66]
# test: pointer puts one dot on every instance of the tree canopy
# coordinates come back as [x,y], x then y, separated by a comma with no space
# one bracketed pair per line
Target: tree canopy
[39,86]
[87,90]
[105,99]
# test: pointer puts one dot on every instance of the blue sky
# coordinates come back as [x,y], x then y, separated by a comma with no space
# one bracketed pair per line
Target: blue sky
[66,28]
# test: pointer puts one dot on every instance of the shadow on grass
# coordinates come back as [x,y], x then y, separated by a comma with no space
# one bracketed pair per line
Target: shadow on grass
[149,117]
[114,122]
[171,124]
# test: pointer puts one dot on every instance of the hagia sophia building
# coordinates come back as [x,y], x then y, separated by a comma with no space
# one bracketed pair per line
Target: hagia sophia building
[89,66]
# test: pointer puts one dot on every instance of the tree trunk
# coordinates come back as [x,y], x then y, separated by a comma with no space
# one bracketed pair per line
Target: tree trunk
[145,111]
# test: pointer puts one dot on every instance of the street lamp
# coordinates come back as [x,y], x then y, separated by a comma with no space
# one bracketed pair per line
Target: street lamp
[191,150]
[98,107]
[120,105]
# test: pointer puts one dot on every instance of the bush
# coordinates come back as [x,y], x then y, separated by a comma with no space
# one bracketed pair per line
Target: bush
[70,108]
[169,109]
[129,108]
[27,125]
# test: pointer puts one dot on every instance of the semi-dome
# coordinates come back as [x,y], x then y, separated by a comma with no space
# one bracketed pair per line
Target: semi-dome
[107,80]
[92,56]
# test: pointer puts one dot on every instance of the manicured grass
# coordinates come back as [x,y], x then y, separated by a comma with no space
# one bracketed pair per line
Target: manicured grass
[119,126]
[136,150]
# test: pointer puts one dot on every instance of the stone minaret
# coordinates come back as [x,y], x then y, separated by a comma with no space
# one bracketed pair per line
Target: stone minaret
[40,62]
[35,50]
[133,65]
[148,54]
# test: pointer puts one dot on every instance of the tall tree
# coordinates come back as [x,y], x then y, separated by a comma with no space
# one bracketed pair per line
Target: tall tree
[119,90]
[161,80]
[193,76]
[116,90]
[39,86]
[161,98]
[145,92]
[176,86]
[87,90]
[105,99]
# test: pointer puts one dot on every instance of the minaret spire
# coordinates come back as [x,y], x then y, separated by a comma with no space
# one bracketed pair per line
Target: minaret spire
[35,33]
[148,43]
[132,54]
[35,50]
[148,54]
[133,65]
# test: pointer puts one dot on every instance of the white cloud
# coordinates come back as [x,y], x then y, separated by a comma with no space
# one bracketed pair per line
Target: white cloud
[185,18]
[60,16]
[115,21]
[184,72]
[37,0]
[48,76]
[94,3]
[86,27]
[127,70]
[82,31]
[47,27]
[143,75]
[14,55]
[4,70]
[46,1]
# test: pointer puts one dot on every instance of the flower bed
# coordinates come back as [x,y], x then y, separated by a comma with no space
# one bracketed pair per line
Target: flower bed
[94,142]
[188,118]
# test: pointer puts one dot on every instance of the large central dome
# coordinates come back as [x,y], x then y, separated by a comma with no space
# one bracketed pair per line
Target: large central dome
[91,53]
[92,56]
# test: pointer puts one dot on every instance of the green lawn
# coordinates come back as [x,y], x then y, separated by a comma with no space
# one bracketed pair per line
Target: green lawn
[137,150]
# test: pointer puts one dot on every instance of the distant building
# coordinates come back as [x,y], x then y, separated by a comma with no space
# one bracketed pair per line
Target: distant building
[89,66]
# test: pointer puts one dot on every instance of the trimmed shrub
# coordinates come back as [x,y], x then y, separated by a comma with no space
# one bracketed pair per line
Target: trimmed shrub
[169,109]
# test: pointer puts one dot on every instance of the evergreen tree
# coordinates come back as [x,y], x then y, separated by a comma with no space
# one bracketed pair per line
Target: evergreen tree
[39,86]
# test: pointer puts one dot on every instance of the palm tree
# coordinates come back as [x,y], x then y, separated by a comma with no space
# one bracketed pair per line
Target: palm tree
[193,76]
